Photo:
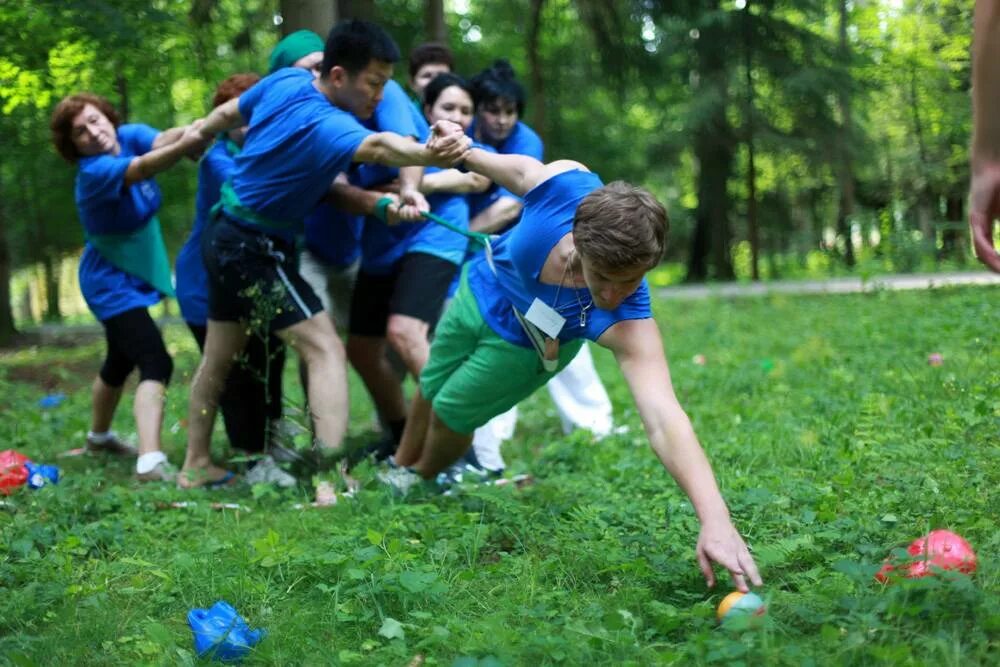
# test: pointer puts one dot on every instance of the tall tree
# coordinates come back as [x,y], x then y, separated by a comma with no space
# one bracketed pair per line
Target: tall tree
[435,28]
[315,15]
[845,174]
[535,67]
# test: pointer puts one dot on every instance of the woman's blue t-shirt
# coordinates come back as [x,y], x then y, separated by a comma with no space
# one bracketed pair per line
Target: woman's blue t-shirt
[383,246]
[297,142]
[520,254]
[523,141]
[192,281]
[106,206]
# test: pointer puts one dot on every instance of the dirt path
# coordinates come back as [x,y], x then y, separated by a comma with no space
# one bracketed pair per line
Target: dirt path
[831,286]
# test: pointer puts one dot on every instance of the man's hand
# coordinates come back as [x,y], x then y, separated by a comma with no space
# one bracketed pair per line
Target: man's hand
[720,543]
[413,205]
[194,140]
[984,210]
[447,144]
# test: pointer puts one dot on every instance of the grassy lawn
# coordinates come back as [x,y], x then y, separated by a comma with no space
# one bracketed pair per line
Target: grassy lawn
[833,439]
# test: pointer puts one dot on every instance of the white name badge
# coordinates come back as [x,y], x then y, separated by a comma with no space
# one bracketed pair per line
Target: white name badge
[545,318]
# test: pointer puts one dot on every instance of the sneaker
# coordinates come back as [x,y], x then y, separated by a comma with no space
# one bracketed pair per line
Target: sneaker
[154,467]
[283,454]
[401,480]
[463,473]
[267,471]
[110,443]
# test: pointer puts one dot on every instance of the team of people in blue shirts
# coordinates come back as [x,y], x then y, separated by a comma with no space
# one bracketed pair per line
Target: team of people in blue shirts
[402,204]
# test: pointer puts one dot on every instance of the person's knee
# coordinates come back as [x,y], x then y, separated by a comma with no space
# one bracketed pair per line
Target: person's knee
[156,365]
[320,343]
[406,333]
[114,371]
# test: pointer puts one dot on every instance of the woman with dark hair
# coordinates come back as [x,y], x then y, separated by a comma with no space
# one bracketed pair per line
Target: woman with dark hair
[124,268]
[251,404]
[578,394]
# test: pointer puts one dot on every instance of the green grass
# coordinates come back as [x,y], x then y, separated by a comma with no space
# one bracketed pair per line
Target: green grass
[833,439]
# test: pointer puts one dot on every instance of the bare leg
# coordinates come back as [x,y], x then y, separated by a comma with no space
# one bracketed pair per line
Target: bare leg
[104,400]
[223,342]
[408,336]
[416,432]
[367,355]
[148,410]
[317,343]
[444,447]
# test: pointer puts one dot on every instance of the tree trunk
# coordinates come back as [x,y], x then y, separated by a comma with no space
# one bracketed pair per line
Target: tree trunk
[752,232]
[535,66]
[954,242]
[316,15]
[434,27]
[713,148]
[7,330]
[121,86]
[50,266]
[845,172]
[356,9]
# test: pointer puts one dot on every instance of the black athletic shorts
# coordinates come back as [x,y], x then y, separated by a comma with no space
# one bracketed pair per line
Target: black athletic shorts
[417,287]
[254,277]
[134,340]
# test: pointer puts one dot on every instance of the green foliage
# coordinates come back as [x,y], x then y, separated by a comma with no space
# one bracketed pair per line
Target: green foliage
[622,86]
[833,440]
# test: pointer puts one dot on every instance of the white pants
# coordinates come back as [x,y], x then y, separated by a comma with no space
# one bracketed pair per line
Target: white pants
[580,398]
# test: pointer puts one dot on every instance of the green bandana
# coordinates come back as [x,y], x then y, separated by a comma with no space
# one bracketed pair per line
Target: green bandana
[140,253]
[291,48]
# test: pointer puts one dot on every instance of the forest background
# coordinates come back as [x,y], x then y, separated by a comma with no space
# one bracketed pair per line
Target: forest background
[788,139]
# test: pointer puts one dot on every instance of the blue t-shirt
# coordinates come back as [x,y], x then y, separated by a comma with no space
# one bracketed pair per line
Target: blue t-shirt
[192,281]
[106,206]
[522,141]
[383,246]
[334,236]
[520,254]
[297,142]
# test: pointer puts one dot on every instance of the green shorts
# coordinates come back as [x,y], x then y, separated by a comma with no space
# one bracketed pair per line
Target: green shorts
[473,374]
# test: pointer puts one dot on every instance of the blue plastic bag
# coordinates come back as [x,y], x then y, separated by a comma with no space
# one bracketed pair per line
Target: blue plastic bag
[40,474]
[221,633]
[51,401]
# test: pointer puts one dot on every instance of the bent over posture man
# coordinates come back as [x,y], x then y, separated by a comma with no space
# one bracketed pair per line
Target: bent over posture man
[572,269]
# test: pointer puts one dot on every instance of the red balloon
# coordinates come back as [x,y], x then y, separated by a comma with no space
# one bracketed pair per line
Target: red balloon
[12,471]
[941,549]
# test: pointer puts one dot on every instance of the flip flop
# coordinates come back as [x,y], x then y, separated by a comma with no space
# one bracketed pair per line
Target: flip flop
[229,479]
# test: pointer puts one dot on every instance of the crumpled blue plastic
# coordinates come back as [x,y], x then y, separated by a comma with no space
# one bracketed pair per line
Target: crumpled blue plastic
[51,401]
[40,474]
[221,633]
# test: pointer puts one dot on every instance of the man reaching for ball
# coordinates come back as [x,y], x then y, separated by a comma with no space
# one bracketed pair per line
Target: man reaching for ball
[573,269]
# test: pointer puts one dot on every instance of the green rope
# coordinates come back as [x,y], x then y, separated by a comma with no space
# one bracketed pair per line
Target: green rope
[479,237]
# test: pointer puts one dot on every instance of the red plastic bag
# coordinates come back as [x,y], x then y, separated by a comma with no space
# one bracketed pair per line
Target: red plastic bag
[12,471]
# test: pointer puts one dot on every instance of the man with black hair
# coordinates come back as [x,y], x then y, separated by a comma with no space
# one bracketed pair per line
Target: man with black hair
[302,133]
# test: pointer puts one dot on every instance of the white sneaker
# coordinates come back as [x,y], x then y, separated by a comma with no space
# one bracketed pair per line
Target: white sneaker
[266,471]
[154,467]
[399,479]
